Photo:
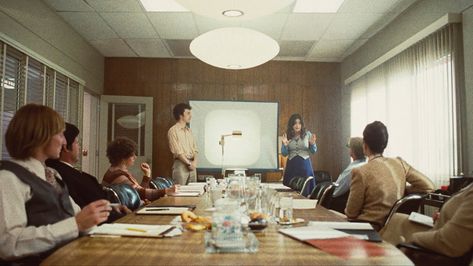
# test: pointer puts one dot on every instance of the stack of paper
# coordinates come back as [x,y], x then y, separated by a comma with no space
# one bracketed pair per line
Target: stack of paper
[277,186]
[191,188]
[304,204]
[142,230]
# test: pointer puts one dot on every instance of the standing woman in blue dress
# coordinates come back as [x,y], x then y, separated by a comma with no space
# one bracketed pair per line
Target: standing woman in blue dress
[298,143]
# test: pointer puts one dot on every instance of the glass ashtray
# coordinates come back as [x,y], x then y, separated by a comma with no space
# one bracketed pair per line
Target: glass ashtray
[246,244]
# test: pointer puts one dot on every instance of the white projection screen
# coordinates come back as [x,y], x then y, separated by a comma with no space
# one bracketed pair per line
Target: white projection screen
[255,148]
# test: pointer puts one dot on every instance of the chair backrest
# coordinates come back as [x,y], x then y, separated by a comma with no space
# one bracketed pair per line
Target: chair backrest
[326,197]
[322,176]
[125,195]
[307,187]
[297,183]
[408,204]
[319,189]
[159,183]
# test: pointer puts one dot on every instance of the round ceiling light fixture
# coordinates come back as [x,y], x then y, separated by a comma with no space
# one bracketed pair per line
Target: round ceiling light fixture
[234,48]
[250,8]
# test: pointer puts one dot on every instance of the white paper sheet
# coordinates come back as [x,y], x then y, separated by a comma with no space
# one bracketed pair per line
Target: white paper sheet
[141,230]
[303,203]
[312,232]
[279,186]
[185,194]
[342,225]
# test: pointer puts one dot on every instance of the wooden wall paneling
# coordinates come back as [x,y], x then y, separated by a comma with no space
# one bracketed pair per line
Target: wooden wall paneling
[309,88]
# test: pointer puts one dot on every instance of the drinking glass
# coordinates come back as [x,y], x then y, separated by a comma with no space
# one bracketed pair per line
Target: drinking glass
[285,212]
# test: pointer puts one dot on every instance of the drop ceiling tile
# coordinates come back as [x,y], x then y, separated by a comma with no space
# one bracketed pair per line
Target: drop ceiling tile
[271,25]
[330,48]
[367,6]
[205,24]
[70,5]
[175,25]
[148,47]
[113,48]
[350,26]
[294,48]
[89,24]
[180,48]
[306,27]
[130,25]
[116,5]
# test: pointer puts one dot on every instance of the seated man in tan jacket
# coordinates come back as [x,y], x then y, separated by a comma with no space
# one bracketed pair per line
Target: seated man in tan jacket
[377,185]
[452,234]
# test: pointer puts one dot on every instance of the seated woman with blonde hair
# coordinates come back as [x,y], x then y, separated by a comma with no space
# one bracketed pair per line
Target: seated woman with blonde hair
[452,234]
[122,154]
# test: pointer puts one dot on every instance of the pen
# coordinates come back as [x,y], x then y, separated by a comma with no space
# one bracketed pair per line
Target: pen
[163,233]
[157,209]
[136,230]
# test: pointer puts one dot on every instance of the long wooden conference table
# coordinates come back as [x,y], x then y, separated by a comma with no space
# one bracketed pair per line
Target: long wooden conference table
[189,248]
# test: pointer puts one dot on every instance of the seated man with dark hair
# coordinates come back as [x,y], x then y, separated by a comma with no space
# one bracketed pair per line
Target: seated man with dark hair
[83,187]
[378,184]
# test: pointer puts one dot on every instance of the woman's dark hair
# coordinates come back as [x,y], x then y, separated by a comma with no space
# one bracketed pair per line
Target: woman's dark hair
[179,110]
[376,136]
[120,149]
[290,124]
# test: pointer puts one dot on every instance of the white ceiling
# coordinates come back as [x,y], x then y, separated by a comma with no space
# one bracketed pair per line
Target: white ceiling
[122,28]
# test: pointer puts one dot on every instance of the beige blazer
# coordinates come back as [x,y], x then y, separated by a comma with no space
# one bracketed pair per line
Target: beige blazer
[452,234]
[377,185]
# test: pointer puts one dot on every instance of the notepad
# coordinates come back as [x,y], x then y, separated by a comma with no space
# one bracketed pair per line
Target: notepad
[139,230]
[162,210]
[421,219]
[191,188]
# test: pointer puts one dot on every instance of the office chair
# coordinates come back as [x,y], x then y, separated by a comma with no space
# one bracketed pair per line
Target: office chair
[408,204]
[423,256]
[123,194]
[307,187]
[326,198]
[322,176]
[297,183]
[319,189]
[159,183]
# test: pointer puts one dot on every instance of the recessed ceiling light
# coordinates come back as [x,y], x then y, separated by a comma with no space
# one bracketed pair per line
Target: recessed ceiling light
[251,9]
[317,6]
[232,13]
[163,6]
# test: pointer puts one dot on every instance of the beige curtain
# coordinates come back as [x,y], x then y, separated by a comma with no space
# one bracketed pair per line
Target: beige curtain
[416,94]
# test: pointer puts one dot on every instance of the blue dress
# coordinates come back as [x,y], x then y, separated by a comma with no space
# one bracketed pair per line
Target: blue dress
[299,163]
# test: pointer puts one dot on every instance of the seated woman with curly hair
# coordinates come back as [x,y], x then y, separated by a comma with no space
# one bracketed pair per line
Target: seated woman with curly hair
[121,154]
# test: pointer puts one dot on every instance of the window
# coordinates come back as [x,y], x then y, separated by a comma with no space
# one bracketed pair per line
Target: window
[414,95]
[26,80]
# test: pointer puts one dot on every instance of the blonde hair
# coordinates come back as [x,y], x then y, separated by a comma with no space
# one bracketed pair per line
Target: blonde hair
[32,127]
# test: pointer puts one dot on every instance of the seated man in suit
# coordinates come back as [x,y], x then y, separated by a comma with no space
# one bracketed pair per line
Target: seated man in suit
[452,234]
[378,184]
[83,188]
[340,194]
